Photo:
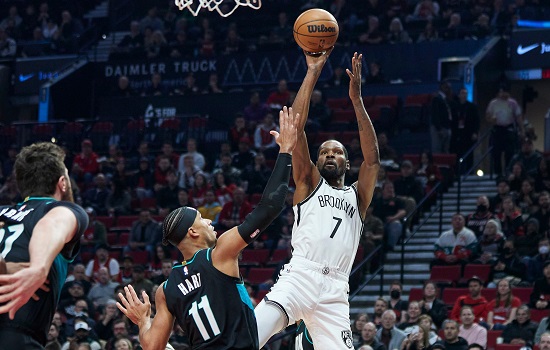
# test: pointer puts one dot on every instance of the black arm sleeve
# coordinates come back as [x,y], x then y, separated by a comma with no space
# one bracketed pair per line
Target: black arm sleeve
[272,202]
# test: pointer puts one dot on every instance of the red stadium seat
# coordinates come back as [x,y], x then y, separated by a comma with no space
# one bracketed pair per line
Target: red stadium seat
[537,315]
[261,294]
[450,295]
[489,293]
[254,257]
[126,221]
[507,347]
[257,275]
[492,339]
[479,270]
[140,257]
[445,274]
[278,256]
[389,100]
[416,294]
[524,294]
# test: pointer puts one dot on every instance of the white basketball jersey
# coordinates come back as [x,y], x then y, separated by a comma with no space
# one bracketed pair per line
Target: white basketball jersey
[328,226]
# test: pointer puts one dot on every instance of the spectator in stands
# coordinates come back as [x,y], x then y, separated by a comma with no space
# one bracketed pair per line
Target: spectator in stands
[373,232]
[66,37]
[540,296]
[471,331]
[151,20]
[263,140]
[155,88]
[132,43]
[319,112]
[529,157]
[339,78]
[455,246]
[106,321]
[231,174]
[482,27]
[490,243]
[139,282]
[441,118]
[429,33]
[527,245]
[75,292]
[157,47]
[373,35]
[388,155]
[478,219]
[181,46]
[123,88]
[455,30]
[102,259]
[502,310]
[473,299]
[120,330]
[95,234]
[78,274]
[390,209]
[503,191]
[511,219]
[103,290]
[85,165]
[198,157]
[53,337]
[223,189]
[161,253]
[144,235]
[535,265]
[211,208]
[126,269]
[417,339]
[187,171]
[167,265]
[431,305]
[425,10]
[13,15]
[543,340]
[239,129]
[413,313]
[50,29]
[542,211]
[368,337]
[82,336]
[516,176]
[389,335]
[407,185]
[161,172]
[143,180]
[167,196]
[452,340]
[509,265]
[207,44]
[254,113]
[396,32]
[233,43]
[8,46]
[380,306]
[118,201]
[464,128]
[256,175]
[428,173]
[235,211]
[505,114]
[375,74]
[197,193]
[357,328]
[244,157]
[279,98]
[522,330]
[526,198]
[398,305]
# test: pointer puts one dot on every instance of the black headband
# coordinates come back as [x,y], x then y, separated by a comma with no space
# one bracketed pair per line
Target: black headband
[185,217]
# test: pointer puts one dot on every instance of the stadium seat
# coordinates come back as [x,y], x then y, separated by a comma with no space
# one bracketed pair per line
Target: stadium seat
[479,270]
[537,315]
[260,295]
[413,158]
[507,347]
[450,295]
[489,293]
[141,257]
[126,221]
[254,257]
[100,135]
[492,339]
[148,203]
[389,100]
[123,239]
[524,294]
[42,133]
[105,220]
[416,294]
[277,257]
[338,103]
[112,239]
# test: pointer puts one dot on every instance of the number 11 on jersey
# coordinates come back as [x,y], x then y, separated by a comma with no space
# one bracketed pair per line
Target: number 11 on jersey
[194,311]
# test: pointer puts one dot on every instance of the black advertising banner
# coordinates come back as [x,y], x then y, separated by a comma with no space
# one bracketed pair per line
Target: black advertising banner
[31,73]
[530,48]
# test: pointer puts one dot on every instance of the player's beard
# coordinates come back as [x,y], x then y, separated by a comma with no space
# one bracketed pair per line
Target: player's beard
[332,174]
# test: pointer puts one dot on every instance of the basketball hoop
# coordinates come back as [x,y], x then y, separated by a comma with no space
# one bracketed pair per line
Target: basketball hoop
[212,5]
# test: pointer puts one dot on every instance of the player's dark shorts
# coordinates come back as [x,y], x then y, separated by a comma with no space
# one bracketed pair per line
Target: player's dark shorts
[13,339]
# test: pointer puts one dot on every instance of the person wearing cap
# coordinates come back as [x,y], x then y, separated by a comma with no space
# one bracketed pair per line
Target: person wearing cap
[456,246]
[474,299]
[540,296]
[205,293]
[451,341]
[505,114]
[528,156]
[85,164]
[82,335]
[102,259]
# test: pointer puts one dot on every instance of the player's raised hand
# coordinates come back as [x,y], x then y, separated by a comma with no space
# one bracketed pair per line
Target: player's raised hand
[136,310]
[355,76]
[317,61]
[288,135]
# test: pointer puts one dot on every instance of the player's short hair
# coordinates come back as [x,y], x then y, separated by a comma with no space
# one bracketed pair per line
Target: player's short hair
[344,147]
[38,168]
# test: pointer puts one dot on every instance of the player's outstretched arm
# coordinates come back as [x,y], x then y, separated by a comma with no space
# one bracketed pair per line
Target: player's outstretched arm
[369,144]
[49,236]
[153,334]
[305,174]
[230,244]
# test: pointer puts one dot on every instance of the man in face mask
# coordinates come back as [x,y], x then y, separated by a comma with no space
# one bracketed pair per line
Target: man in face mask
[478,219]
[396,304]
[535,264]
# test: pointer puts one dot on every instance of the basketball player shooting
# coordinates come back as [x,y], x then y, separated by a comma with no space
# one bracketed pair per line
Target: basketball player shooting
[205,294]
[313,286]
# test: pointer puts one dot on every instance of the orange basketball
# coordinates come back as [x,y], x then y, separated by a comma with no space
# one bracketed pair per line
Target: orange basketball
[316,30]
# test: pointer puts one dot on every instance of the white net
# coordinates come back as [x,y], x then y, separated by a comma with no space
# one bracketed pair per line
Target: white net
[223,7]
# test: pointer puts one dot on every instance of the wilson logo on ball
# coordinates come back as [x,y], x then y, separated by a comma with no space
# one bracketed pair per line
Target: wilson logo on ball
[320,29]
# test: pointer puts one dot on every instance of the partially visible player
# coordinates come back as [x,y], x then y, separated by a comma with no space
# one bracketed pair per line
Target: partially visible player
[44,230]
[313,286]
[205,294]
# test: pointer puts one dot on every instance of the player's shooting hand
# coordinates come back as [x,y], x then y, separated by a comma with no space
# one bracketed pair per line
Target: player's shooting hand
[288,135]
[355,76]
[316,62]
[16,289]
[136,310]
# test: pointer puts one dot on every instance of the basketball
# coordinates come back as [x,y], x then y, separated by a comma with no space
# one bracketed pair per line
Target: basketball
[316,30]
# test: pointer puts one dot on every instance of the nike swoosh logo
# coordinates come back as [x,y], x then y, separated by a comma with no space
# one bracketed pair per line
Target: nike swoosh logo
[23,78]
[523,50]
